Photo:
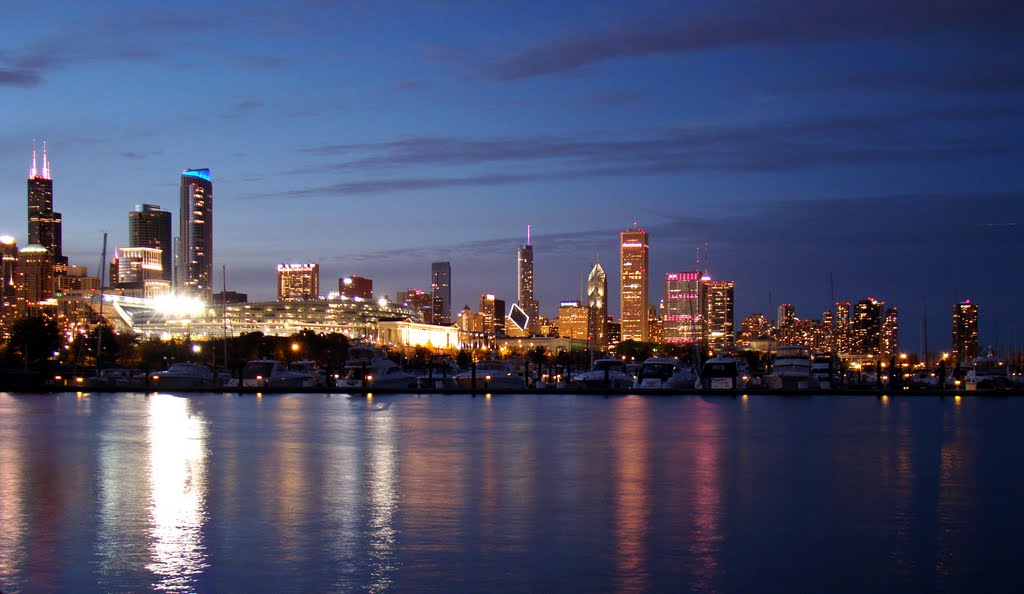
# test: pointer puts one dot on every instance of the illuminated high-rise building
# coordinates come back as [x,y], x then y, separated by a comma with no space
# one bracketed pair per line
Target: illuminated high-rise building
[8,287]
[492,312]
[139,272]
[754,327]
[525,283]
[965,332]
[682,318]
[597,301]
[150,227]
[719,313]
[441,292]
[866,327]
[44,225]
[418,300]
[890,338]
[355,287]
[842,333]
[35,272]
[195,233]
[573,320]
[633,260]
[298,281]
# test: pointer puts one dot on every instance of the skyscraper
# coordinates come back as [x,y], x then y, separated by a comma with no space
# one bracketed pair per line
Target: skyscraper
[719,313]
[298,281]
[150,227]
[139,272]
[8,287]
[35,276]
[890,338]
[573,320]
[866,331]
[633,260]
[44,225]
[682,319]
[355,286]
[525,282]
[195,232]
[965,331]
[842,336]
[441,291]
[597,290]
[492,311]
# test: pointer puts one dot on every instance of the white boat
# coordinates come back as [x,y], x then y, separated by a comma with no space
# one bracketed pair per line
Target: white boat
[317,376]
[824,367]
[183,376]
[791,368]
[492,373]
[606,373]
[370,367]
[988,373]
[664,373]
[271,373]
[723,373]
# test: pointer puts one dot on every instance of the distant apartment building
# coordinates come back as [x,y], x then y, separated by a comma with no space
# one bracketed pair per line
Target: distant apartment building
[298,281]
[682,321]
[965,332]
[355,287]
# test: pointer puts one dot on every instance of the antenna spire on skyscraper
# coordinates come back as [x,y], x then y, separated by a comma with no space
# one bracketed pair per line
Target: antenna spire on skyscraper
[527,234]
[33,171]
[46,163]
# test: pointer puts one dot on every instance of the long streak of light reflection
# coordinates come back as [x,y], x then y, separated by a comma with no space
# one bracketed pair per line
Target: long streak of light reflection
[177,493]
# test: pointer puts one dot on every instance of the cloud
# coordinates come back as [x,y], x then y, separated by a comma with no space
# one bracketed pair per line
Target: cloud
[139,155]
[19,78]
[839,140]
[757,23]
[241,108]
[262,62]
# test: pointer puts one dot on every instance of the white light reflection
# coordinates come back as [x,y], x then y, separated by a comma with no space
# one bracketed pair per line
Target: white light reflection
[12,487]
[177,441]
[383,494]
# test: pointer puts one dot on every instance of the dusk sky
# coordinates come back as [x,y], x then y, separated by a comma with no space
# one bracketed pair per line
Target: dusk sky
[879,142]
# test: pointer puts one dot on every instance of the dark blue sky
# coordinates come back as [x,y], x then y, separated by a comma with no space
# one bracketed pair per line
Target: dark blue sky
[880,142]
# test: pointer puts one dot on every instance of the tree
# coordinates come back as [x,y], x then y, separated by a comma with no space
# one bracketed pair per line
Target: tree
[33,341]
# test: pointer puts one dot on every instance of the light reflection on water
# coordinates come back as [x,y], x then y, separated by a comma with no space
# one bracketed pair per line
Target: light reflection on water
[510,493]
[177,482]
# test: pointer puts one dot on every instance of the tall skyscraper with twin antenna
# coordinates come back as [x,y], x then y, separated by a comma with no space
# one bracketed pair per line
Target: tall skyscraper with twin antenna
[525,282]
[44,225]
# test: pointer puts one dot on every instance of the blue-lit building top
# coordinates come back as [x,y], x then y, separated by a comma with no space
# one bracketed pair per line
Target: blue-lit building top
[200,173]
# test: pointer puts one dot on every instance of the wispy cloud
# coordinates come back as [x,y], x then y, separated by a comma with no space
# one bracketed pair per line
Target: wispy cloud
[757,23]
[919,136]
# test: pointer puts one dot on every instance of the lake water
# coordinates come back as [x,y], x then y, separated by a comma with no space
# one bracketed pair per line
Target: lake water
[130,492]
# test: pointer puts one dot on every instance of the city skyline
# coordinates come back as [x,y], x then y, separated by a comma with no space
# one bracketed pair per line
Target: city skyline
[791,148]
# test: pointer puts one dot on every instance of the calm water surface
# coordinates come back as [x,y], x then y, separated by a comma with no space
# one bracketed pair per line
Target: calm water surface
[129,492]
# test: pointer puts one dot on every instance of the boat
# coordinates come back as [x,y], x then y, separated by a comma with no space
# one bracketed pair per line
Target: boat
[723,373]
[440,374]
[492,374]
[664,373]
[791,368]
[183,376]
[988,373]
[271,373]
[606,373]
[317,376]
[369,367]
[824,368]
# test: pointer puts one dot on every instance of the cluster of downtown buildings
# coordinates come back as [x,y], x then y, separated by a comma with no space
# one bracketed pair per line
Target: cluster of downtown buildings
[162,284]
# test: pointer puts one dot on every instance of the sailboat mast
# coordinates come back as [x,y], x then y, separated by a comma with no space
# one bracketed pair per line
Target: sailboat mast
[99,328]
